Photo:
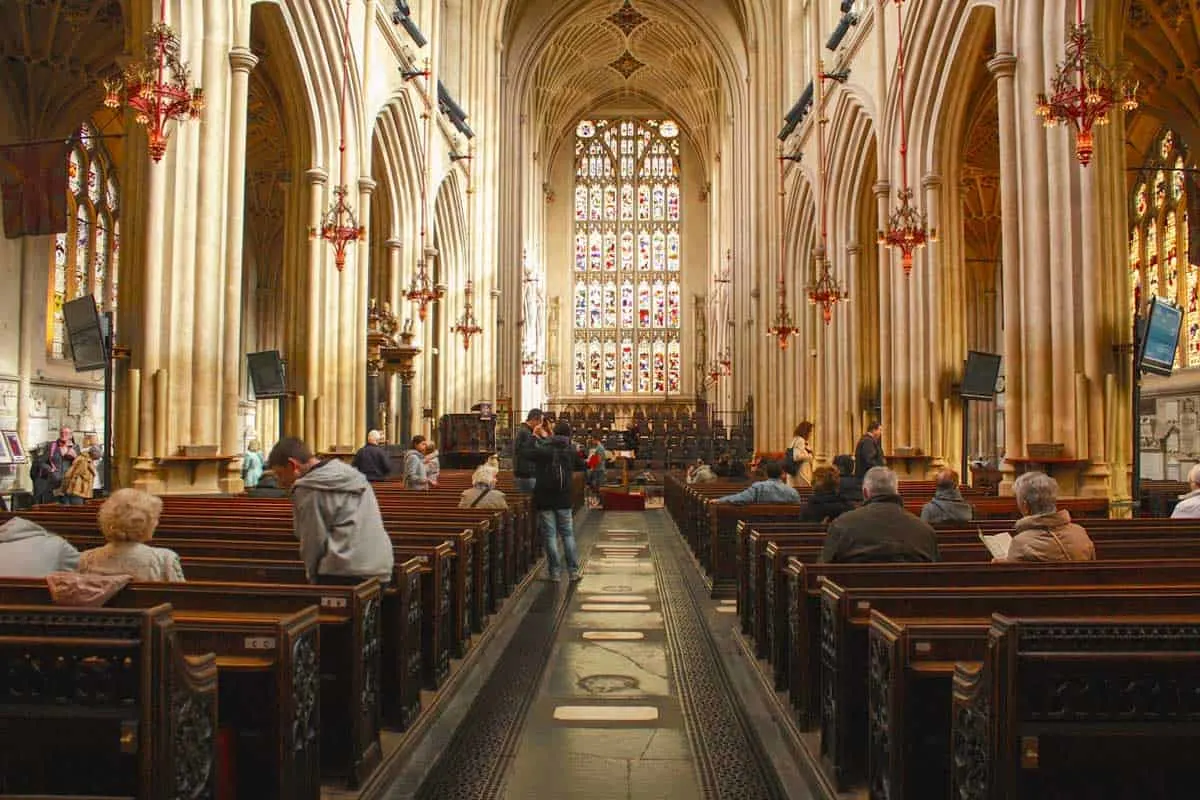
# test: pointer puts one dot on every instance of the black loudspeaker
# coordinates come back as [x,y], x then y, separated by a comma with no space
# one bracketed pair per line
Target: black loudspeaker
[266,374]
[85,335]
[980,375]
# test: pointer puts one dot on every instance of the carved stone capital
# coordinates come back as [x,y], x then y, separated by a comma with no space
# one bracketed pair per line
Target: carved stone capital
[242,59]
[317,176]
[394,244]
[932,181]
[367,184]
[881,189]
[1002,65]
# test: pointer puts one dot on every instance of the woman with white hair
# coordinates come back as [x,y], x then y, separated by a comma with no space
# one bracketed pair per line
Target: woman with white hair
[483,492]
[1188,506]
[1045,532]
[127,520]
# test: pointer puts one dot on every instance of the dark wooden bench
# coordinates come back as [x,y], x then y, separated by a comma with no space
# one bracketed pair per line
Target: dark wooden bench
[1080,708]
[845,620]
[104,702]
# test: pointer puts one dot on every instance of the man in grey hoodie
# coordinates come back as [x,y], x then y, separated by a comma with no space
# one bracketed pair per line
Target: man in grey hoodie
[27,550]
[947,504]
[336,516]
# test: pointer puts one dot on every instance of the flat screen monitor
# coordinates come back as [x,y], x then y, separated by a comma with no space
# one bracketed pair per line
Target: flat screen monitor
[266,374]
[980,375]
[1160,337]
[84,333]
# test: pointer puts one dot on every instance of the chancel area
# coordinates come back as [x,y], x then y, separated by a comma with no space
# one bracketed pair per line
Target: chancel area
[599,398]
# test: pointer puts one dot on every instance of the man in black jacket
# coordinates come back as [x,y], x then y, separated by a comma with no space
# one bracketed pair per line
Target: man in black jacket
[556,460]
[372,460]
[869,452]
[882,530]
[524,446]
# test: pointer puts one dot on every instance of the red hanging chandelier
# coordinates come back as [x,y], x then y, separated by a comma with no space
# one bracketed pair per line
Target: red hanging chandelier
[339,225]
[1085,90]
[721,367]
[824,290]
[531,365]
[784,327]
[907,229]
[467,326]
[157,88]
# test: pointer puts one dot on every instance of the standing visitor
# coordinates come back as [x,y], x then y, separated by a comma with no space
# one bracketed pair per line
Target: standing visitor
[252,464]
[79,483]
[797,462]
[556,460]
[869,453]
[415,476]
[524,445]
[372,460]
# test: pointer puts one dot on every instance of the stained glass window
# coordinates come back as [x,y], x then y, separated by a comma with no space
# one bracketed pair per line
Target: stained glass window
[628,305]
[84,259]
[1160,263]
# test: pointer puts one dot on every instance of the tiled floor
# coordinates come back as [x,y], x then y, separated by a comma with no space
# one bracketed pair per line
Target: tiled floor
[607,721]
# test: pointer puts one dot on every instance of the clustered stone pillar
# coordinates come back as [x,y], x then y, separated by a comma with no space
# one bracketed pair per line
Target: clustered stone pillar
[241,62]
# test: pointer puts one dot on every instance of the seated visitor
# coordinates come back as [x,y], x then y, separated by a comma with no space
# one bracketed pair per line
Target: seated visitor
[826,502]
[947,504]
[27,550]
[882,530]
[483,492]
[700,473]
[127,520]
[371,459]
[267,486]
[1188,506]
[772,490]
[335,516]
[849,486]
[1044,532]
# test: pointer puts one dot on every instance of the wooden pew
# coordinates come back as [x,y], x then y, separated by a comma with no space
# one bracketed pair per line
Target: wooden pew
[349,656]
[1080,708]
[804,618]
[845,619]
[103,701]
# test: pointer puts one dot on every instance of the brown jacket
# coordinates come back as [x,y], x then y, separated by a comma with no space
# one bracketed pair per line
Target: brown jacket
[81,477]
[1050,537]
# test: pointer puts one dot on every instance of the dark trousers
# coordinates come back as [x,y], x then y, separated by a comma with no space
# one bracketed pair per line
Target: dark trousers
[344,580]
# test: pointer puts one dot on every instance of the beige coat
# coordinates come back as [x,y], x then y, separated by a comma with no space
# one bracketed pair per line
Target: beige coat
[493,499]
[1050,537]
[81,477]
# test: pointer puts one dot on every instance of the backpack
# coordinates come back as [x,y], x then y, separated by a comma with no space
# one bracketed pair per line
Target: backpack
[559,477]
[789,462]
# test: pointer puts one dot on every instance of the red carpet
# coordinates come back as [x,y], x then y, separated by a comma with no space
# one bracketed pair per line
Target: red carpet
[620,501]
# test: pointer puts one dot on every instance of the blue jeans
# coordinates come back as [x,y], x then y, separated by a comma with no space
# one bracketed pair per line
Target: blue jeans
[555,524]
[72,500]
[524,485]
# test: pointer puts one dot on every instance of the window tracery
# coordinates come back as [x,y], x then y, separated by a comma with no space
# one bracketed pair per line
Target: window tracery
[1158,240]
[84,258]
[627,294]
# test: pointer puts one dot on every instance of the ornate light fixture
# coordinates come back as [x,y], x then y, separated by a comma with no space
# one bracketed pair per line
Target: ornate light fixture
[531,365]
[721,367]
[157,88]
[1085,90]
[907,230]
[339,225]
[824,289]
[467,326]
[423,292]
[783,328]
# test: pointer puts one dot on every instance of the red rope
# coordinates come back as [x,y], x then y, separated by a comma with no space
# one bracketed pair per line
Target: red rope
[900,88]
[345,83]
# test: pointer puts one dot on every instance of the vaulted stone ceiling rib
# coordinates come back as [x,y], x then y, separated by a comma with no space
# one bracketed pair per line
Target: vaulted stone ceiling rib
[659,57]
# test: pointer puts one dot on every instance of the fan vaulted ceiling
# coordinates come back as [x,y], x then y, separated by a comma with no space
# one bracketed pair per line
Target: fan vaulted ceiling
[622,54]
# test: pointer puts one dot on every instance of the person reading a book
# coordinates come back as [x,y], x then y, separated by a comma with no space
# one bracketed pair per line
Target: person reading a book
[882,530]
[1044,532]
[1188,506]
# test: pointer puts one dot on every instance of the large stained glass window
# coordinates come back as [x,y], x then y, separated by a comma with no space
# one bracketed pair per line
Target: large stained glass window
[1159,259]
[627,296]
[84,258]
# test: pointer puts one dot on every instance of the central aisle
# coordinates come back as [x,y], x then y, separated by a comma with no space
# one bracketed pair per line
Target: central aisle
[612,687]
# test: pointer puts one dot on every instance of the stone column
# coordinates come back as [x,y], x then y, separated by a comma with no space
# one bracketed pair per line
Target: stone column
[357,357]
[241,62]
[26,341]
[1003,66]
[944,330]
[315,316]
[148,357]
